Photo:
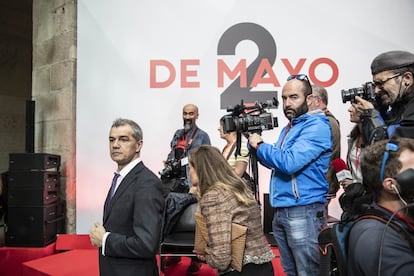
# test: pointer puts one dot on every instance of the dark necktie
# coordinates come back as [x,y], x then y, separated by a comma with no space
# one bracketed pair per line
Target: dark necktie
[113,185]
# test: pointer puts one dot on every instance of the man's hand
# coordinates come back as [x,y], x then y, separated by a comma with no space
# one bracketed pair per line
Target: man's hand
[361,104]
[255,139]
[96,235]
[345,183]
[193,190]
[201,257]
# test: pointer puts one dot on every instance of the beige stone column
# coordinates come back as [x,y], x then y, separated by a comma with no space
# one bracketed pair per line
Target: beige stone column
[54,91]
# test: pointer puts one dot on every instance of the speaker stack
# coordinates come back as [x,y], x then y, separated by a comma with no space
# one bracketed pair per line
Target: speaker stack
[34,213]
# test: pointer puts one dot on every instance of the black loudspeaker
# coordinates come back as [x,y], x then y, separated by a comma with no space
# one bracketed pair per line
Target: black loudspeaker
[30,123]
[268,213]
[33,161]
[32,226]
[31,197]
[34,210]
[33,179]
[32,188]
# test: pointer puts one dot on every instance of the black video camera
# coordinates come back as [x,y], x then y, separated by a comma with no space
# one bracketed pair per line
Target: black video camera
[367,92]
[252,119]
[172,169]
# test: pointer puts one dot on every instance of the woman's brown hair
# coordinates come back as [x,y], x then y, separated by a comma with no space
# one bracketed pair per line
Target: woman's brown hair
[214,172]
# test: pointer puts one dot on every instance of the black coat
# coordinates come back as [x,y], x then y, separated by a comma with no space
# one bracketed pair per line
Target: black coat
[175,204]
[398,123]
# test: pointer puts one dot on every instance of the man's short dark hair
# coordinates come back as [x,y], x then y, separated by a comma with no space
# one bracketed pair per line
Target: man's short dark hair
[136,129]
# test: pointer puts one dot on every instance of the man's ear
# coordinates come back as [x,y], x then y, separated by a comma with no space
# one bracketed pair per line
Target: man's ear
[309,99]
[138,146]
[391,186]
[408,78]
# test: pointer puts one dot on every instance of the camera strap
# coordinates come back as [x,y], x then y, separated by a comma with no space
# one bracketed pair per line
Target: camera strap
[190,142]
[230,151]
[238,143]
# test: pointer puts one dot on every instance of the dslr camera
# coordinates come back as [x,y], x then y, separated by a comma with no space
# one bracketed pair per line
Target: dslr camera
[367,92]
[252,118]
[171,170]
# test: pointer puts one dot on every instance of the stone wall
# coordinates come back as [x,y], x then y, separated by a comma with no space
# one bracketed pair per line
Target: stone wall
[54,90]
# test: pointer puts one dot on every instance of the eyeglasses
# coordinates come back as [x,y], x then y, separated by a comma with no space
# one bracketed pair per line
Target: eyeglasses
[391,146]
[301,77]
[381,83]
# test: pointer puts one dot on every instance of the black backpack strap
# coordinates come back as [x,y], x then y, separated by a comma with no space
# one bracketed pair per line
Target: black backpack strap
[332,249]
[394,224]
[326,254]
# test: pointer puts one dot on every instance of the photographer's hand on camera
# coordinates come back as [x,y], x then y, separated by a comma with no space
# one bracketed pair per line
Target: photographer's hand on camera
[373,128]
[364,107]
[255,140]
[362,104]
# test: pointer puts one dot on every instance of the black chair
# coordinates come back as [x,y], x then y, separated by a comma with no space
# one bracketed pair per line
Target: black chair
[179,241]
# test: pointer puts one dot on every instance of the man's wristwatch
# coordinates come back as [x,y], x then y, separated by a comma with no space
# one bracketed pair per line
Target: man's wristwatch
[258,144]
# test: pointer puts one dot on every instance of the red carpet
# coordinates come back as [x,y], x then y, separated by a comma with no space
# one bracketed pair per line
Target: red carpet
[74,255]
[11,258]
[85,262]
[77,262]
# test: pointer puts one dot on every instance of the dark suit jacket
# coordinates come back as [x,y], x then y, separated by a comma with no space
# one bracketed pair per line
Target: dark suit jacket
[133,217]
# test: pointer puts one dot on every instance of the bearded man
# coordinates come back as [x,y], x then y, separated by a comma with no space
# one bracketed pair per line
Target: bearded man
[298,187]
[392,113]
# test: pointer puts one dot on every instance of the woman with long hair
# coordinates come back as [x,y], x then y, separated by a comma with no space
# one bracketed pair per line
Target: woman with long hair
[356,146]
[225,199]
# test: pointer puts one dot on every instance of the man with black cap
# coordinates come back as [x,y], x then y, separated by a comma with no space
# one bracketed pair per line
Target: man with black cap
[393,113]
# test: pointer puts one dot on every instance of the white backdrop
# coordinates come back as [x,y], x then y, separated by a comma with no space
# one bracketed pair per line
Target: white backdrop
[120,40]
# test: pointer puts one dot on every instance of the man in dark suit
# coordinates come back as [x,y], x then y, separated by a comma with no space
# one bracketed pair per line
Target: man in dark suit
[130,234]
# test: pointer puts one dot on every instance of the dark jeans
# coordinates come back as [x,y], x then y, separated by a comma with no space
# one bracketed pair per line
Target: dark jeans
[265,269]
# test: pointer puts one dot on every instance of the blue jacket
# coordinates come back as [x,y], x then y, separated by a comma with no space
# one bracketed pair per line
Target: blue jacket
[300,164]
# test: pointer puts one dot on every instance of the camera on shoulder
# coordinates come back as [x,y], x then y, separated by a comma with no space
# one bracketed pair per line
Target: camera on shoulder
[250,118]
